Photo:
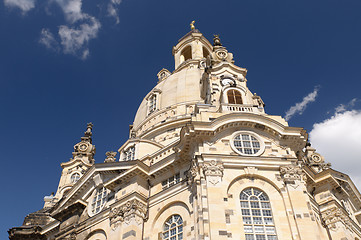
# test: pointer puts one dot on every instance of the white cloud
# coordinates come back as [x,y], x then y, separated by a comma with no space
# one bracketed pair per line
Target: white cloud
[75,39]
[113,9]
[343,107]
[47,39]
[24,5]
[338,139]
[71,9]
[301,106]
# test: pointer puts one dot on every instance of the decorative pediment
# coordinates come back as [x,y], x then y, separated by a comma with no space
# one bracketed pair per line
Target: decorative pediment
[163,74]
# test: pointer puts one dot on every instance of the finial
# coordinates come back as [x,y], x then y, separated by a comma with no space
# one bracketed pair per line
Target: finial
[192,25]
[88,132]
[110,156]
[216,41]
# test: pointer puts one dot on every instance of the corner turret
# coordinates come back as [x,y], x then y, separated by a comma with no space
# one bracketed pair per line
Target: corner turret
[73,170]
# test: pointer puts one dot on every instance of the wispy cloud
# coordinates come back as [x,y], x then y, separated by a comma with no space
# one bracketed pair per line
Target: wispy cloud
[74,36]
[48,40]
[300,107]
[113,9]
[343,107]
[78,29]
[338,139]
[24,5]
[75,40]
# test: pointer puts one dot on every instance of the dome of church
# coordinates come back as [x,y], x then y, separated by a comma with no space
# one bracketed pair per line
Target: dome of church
[178,90]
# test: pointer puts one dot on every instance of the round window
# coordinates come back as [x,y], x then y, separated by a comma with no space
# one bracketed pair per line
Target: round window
[247,143]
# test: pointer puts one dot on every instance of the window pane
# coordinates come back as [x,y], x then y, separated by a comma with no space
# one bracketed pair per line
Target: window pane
[266,212]
[265,205]
[247,220]
[257,215]
[258,229]
[254,204]
[173,228]
[245,212]
[260,237]
[249,237]
[244,204]
[268,221]
[248,229]
[256,212]
[257,220]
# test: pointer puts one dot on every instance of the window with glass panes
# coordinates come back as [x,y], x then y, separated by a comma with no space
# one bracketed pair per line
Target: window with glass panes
[246,144]
[173,228]
[171,181]
[257,215]
[75,177]
[234,96]
[152,103]
[129,154]
[99,200]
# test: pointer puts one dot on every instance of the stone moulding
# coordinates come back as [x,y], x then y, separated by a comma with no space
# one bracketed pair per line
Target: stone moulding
[292,173]
[132,209]
[334,215]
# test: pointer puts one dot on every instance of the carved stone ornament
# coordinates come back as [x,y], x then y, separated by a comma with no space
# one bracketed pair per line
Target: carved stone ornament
[292,173]
[132,209]
[222,54]
[192,172]
[334,215]
[315,160]
[214,171]
[110,156]
[250,171]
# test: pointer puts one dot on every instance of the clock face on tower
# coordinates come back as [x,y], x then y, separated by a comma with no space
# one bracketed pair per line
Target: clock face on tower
[83,147]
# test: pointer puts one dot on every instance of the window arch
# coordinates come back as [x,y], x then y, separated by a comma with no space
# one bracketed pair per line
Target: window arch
[205,52]
[99,199]
[186,54]
[173,228]
[257,215]
[234,96]
[152,103]
[75,177]
[129,154]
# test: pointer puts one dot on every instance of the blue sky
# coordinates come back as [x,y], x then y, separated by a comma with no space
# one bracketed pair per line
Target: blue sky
[64,63]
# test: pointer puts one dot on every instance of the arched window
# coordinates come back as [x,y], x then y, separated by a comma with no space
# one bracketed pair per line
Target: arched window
[152,103]
[257,215]
[173,228]
[234,96]
[186,54]
[99,200]
[205,52]
[129,154]
[75,177]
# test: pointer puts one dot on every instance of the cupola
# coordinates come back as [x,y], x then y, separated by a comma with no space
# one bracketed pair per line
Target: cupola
[191,47]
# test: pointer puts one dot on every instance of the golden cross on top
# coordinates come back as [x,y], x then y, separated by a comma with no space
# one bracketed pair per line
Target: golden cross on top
[192,25]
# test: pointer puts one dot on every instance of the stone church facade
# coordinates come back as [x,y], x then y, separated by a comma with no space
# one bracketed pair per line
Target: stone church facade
[203,161]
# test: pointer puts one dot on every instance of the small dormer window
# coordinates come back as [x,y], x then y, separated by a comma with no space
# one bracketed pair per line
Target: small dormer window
[75,177]
[129,154]
[152,103]
[234,96]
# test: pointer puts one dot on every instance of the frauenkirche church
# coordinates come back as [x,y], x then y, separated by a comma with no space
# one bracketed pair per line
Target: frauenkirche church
[203,162]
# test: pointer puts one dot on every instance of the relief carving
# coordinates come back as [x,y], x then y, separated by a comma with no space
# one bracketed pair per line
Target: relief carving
[132,209]
[213,171]
[292,173]
[334,215]
[110,156]
[192,172]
